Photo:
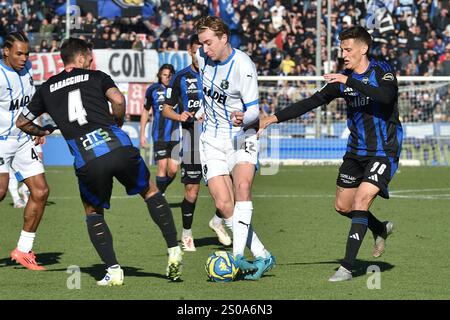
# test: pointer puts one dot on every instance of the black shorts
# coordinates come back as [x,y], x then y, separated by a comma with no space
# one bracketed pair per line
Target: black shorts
[95,179]
[191,173]
[375,170]
[166,149]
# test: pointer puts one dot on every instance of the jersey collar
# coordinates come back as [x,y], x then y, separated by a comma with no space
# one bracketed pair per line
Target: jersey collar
[2,63]
[228,59]
[371,63]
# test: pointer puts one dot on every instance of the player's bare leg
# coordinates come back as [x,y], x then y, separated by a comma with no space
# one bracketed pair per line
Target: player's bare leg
[33,213]
[4,181]
[34,209]
[221,190]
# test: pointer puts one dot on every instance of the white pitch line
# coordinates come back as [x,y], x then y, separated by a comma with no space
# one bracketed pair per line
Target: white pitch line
[418,197]
[419,190]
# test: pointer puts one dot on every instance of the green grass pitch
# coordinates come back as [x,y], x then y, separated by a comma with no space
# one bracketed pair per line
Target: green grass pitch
[294,217]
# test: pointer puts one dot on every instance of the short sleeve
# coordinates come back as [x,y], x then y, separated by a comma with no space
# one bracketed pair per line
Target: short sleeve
[107,83]
[36,107]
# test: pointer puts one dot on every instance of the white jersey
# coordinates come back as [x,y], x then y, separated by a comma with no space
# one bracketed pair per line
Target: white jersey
[228,86]
[16,91]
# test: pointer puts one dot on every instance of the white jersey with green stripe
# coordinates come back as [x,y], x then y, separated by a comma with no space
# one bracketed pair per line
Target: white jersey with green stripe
[16,91]
[228,86]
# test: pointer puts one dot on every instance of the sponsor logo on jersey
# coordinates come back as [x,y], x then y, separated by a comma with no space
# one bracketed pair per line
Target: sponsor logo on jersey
[224,84]
[365,80]
[161,96]
[193,104]
[95,138]
[358,102]
[350,92]
[347,179]
[19,103]
[68,82]
[221,98]
[192,87]
[388,77]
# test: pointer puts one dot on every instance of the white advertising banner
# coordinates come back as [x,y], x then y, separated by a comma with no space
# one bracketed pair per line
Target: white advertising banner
[121,65]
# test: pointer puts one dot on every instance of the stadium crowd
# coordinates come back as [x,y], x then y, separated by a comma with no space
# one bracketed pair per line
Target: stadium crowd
[279,35]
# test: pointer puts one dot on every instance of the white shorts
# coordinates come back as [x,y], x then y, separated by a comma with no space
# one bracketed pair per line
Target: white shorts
[20,156]
[219,155]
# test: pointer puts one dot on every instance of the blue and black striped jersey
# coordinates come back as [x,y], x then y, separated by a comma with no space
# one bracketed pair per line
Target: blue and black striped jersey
[185,91]
[163,129]
[372,111]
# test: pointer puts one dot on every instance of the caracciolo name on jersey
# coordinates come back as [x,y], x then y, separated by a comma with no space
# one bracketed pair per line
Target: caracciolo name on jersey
[69,81]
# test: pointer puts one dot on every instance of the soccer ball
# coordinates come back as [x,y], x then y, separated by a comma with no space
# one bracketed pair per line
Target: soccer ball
[221,267]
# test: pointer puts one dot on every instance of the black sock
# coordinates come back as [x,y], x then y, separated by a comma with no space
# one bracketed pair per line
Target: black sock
[169,180]
[161,183]
[375,225]
[356,235]
[187,211]
[162,215]
[218,213]
[101,238]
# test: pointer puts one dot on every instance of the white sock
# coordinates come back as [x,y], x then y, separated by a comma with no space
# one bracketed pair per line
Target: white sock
[187,232]
[216,220]
[255,245]
[26,240]
[242,217]
[12,187]
[229,223]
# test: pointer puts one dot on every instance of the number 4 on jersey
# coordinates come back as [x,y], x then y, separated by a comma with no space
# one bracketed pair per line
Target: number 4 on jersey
[76,109]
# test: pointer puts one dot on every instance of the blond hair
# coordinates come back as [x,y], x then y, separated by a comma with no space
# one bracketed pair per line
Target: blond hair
[214,24]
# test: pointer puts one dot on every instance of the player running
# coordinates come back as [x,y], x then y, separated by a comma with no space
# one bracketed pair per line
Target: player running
[77,100]
[229,151]
[18,153]
[370,90]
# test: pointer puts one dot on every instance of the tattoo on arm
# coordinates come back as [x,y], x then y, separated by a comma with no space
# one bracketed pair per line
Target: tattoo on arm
[29,127]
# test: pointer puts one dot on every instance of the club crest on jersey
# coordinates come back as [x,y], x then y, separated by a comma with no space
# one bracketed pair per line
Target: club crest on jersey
[388,77]
[224,84]
[365,80]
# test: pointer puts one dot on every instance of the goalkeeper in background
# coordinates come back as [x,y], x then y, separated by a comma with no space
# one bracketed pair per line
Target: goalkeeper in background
[370,90]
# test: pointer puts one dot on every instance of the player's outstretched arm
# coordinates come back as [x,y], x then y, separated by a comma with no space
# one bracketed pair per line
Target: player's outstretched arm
[33,129]
[265,122]
[385,93]
[118,104]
